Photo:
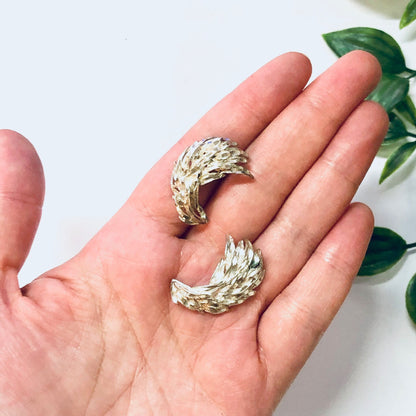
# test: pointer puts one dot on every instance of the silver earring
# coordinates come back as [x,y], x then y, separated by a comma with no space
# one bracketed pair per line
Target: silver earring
[241,270]
[203,162]
[235,278]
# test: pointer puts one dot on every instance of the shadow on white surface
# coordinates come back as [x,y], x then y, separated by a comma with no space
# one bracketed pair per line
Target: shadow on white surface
[409,35]
[389,8]
[331,366]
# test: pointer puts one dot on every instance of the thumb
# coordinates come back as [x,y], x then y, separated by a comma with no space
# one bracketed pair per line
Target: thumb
[21,197]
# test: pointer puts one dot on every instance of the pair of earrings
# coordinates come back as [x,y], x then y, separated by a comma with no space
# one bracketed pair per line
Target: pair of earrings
[241,270]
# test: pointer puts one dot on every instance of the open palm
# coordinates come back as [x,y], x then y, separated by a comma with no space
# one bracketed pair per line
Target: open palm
[100,335]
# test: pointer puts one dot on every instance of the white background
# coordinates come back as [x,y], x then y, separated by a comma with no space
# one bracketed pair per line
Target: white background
[104,88]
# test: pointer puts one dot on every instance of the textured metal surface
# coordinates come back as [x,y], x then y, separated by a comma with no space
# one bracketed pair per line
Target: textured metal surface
[235,278]
[201,163]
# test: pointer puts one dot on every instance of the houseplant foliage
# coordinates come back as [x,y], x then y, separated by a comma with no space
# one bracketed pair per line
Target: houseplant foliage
[392,91]
[386,247]
[409,14]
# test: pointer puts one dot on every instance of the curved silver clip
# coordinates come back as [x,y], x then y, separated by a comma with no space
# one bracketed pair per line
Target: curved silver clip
[235,278]
[201,163]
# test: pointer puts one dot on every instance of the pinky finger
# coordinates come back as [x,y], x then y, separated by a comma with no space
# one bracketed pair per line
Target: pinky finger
[294,322]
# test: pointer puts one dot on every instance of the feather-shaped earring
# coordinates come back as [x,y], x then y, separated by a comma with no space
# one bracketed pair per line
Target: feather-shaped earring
[236,276]
[203,162]
[241,270]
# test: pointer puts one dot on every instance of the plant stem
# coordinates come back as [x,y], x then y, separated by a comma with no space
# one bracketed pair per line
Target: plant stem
[412,245]
[411,74]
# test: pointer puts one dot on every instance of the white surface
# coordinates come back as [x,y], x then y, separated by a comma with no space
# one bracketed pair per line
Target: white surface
[104,88]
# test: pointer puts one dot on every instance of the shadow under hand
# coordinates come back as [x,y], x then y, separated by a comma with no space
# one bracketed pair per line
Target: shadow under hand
[392,9]
[332,364]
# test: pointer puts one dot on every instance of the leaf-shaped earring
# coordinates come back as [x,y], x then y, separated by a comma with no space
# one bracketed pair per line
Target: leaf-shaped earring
[236,276]
[201,163]
[241,270]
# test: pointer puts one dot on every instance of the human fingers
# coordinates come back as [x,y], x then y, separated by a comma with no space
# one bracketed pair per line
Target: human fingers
[310,211]
[21,198]
[320,198]
[316,206]
[293,324]
[286,149]
[241,115]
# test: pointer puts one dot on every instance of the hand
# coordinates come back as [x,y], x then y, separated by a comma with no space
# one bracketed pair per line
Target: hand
[100,335]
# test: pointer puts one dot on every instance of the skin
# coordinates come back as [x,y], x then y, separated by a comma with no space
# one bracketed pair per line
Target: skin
[99,334]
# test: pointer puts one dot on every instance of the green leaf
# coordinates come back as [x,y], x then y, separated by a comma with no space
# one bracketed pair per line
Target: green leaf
[386,248]
[396,159]
[375,41]
[409,14]
[390,91]
[411,298]
[397,129]
[407,109]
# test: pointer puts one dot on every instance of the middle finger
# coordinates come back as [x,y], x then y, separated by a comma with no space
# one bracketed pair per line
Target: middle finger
[286,150]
